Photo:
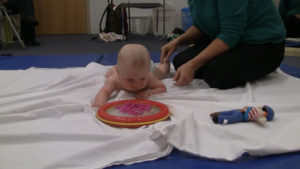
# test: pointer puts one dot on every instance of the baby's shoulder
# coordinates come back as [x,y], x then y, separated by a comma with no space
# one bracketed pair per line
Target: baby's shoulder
[113,78]
[114,81]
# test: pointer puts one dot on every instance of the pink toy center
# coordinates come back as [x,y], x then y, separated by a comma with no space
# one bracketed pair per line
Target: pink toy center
[133,110]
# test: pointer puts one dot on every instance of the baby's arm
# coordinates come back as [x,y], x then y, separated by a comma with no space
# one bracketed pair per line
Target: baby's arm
[155,86]
[104,93]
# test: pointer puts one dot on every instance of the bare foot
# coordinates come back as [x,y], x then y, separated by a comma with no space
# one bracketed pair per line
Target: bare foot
[162,69]
[166,67]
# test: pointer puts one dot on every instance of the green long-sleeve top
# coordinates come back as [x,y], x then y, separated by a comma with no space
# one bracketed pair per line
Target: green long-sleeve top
[289,7]
[238,21]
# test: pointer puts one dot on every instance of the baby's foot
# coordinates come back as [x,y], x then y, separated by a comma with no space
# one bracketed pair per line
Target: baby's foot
[165,67]
[162,69]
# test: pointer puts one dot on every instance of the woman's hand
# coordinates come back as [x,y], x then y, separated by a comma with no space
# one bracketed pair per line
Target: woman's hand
[167,50]
[193,34]
[184,74]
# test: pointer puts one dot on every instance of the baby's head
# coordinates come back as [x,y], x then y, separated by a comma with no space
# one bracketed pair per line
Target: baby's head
[133,67]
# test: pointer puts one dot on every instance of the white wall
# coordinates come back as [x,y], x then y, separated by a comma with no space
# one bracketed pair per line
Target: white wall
[97,7]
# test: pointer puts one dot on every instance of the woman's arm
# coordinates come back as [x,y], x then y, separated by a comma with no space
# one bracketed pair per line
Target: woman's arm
[193,34]
[185,73]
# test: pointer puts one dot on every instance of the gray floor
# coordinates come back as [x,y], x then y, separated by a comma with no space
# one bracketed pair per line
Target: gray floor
[79,44]
[82,44]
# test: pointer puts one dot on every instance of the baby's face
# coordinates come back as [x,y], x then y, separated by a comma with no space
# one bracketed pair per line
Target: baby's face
[134,80]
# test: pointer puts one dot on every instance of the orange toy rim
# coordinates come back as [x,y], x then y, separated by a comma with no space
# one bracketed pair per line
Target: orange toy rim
[132,122]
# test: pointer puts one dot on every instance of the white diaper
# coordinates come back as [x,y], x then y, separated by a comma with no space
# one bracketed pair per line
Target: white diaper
[152,66]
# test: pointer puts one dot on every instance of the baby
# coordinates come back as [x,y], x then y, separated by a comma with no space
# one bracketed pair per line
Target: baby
[133,73]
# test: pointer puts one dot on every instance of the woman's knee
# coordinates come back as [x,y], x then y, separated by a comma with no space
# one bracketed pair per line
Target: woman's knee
[220,84]
[222,80]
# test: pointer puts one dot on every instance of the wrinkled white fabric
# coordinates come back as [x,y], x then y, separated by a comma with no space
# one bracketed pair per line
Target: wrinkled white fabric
[46,121]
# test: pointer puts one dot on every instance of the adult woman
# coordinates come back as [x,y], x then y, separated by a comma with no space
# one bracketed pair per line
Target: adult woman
[234,41]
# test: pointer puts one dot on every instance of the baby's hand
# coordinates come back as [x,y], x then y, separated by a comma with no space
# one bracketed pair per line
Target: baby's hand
[97,105]
[142,95]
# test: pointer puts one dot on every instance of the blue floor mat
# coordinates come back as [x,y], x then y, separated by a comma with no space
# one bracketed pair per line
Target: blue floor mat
[49,61]
[290,70]
[291,43]
[109,59]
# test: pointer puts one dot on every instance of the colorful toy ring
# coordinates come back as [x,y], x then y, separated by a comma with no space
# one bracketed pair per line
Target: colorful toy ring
[132,113]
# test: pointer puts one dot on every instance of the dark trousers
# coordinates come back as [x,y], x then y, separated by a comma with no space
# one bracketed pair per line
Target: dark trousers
[244,62]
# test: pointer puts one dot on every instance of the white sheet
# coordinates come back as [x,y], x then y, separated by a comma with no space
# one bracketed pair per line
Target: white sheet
[46,121]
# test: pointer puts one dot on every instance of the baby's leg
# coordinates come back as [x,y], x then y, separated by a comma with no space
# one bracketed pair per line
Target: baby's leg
[162,69]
